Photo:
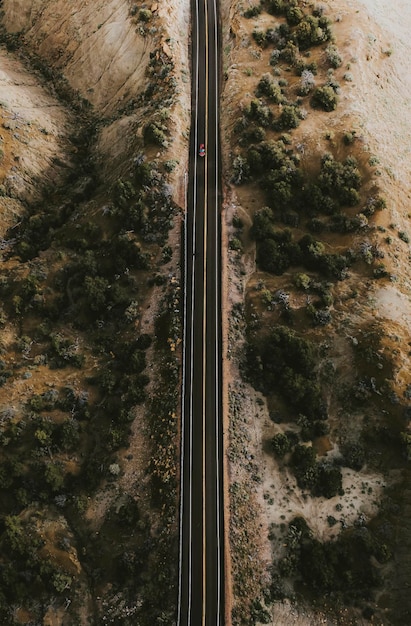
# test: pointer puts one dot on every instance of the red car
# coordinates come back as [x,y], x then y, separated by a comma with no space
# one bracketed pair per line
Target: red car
[201,151]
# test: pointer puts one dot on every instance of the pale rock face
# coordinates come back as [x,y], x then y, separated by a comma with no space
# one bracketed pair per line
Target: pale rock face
[103,50]
[95,44]
[100,46]
[35,150]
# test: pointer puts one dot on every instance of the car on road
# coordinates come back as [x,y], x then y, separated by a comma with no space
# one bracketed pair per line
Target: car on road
[201,151]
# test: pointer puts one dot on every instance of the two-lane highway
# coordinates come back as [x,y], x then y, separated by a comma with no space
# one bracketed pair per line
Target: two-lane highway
[201,566]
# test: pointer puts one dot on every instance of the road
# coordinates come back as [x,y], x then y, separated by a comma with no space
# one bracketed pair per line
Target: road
[201,559]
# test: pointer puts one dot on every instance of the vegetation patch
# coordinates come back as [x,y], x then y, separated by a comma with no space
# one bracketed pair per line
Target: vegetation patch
[78,373]
[328,380]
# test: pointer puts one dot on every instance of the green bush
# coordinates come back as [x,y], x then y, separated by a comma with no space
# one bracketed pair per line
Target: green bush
[307,83]
[144,15]
[260,38]
[354,455]
[277,7]
[236,244]
[255,134]
[289,118]
[54,476]
[340,179]
[276,253]
[281,444]
[154,133]
[342,568]
[290,53]
[285,363]
[259,113]
[263,227]
[96,291]
[272,257]
[240,169]
[252,11]
[294,15]
[325,98]
[304,466]
[328,481]
[269,88]
[312,31]
[333,56]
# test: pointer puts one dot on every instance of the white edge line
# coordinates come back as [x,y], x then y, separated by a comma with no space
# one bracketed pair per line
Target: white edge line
[191,368]
[182,444]
[218,350]
[192,317]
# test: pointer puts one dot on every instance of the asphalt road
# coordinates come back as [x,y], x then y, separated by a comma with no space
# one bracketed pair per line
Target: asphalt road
[201,584]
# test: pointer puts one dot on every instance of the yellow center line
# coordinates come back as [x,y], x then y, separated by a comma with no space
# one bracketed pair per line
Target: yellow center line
[205,313]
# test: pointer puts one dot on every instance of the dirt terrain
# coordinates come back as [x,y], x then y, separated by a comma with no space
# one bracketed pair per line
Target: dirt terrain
[73,81]
[372,38]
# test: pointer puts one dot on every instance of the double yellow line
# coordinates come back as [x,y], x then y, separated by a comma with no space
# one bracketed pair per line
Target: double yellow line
[203,618]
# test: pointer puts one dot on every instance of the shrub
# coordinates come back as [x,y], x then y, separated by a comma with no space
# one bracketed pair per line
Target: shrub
[304,466]
[96,290]
[144,15]
[333,56]
[307,83]
[315,225]
[342,180]
[349,138]
[154,133]
[290,53]
[137,361]
[260,113]
[354,455]
[274,57]
[325,98]
[262,227]
[285,363]
[294,15]
[252,11]
[170,165]
[54,476]
[123,193]
[241,170]
[310,430]
[269,88]
[260,38]
[312,31]
[64,351]
[281,444]
[255,135]
[272,257]
[236,244]
[329,480]
[69,434]
[332,82]
[276,7]
[289,118]
[273,155]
